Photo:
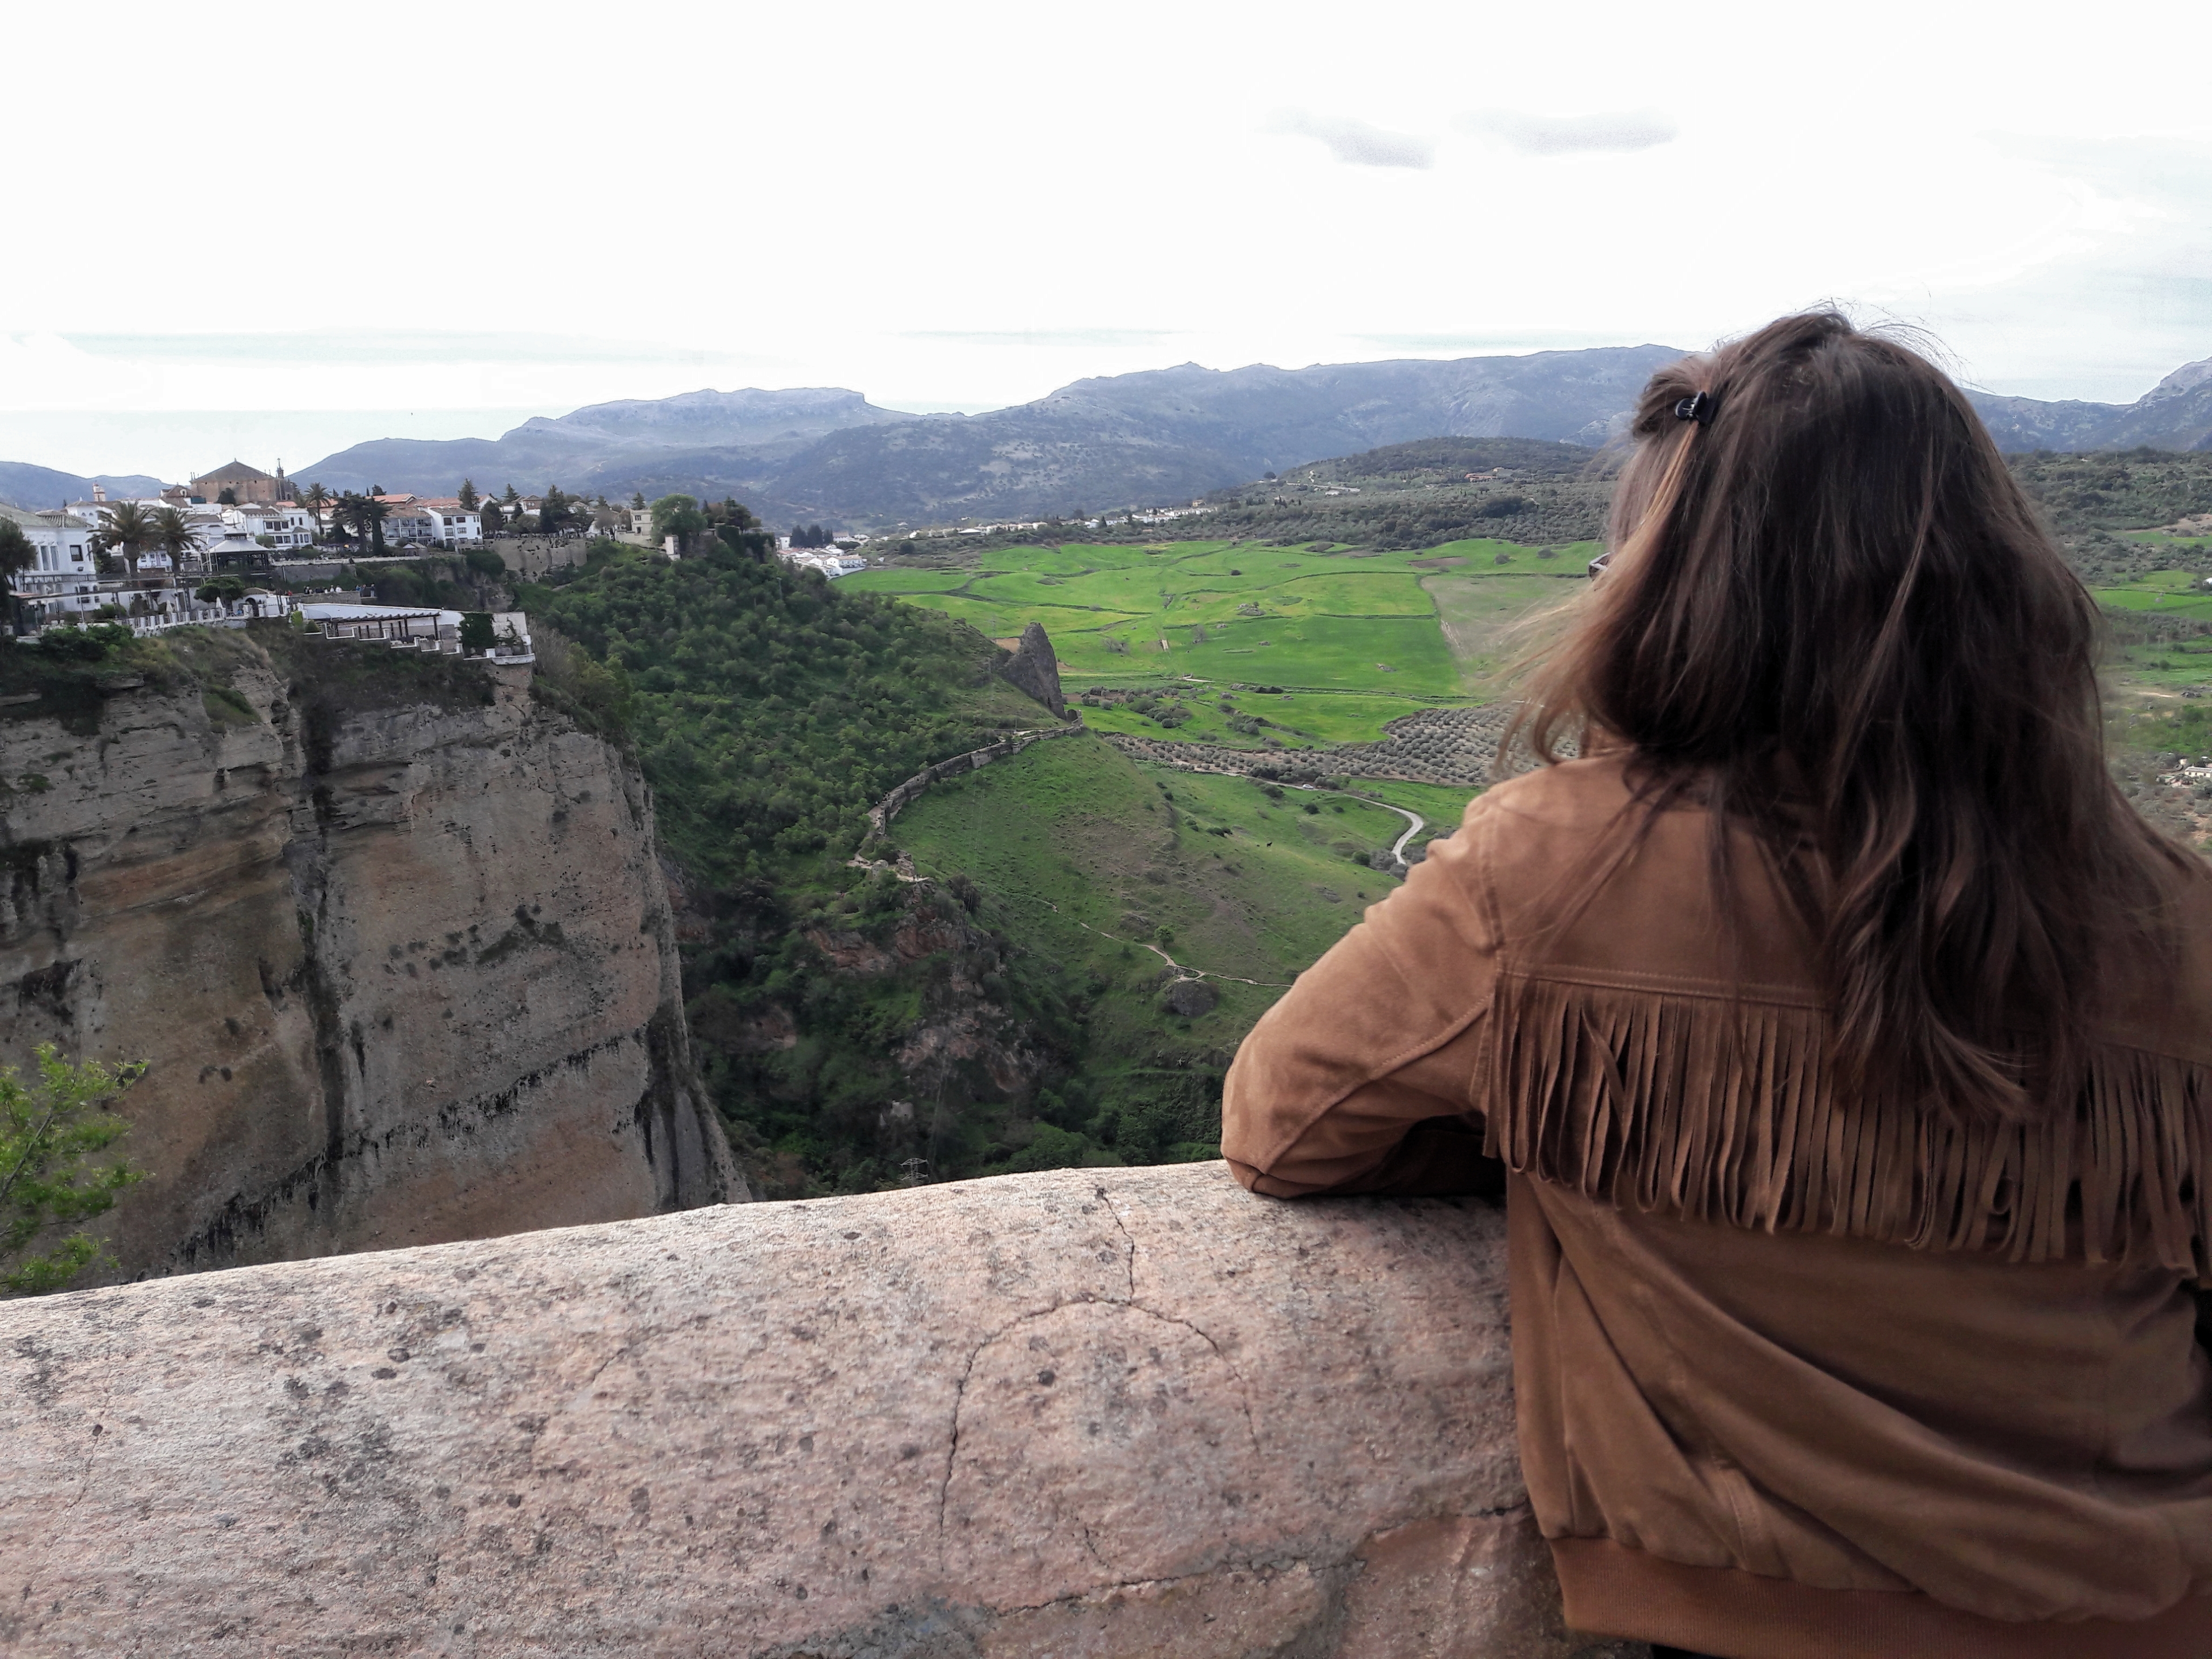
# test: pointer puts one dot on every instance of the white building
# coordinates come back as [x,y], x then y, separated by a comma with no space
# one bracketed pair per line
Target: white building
[829,561]
[288,525]
[205,523]
[452,525]
[61,546]
[401,627]
[409,521]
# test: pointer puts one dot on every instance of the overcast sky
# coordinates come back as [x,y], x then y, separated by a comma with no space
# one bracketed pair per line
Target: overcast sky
[433,219]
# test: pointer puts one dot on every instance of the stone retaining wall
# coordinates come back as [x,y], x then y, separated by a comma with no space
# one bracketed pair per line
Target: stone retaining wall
[974,760]
[1089,1412]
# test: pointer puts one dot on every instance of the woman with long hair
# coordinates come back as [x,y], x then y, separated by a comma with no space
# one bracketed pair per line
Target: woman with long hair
[1842,1042]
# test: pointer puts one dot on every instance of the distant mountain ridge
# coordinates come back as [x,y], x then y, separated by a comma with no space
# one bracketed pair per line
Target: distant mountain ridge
[1160,435]
[2175,414]
[34,489]
[1127,439]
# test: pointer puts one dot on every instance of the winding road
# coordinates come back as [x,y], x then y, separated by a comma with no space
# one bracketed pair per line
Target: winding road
[1414,821]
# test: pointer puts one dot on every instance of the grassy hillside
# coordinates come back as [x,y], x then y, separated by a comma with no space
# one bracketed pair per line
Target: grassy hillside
[771,710]
[1126,879]
[2109,509]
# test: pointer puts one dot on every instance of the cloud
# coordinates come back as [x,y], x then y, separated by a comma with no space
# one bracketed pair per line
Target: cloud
[1356,144]
[1107,337]
[381,347]
[1567,135]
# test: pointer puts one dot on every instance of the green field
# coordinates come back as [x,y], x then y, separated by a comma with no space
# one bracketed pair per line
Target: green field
[1353,639]
[2160,646]
[2180,592]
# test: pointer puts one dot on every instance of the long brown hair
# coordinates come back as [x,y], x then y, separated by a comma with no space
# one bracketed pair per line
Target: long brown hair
[1832,613]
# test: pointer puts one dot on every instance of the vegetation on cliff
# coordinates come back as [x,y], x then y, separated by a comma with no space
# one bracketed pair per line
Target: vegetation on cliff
[770,709]
[52,1178]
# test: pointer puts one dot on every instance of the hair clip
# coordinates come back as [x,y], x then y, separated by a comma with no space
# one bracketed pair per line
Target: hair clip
[1698,408]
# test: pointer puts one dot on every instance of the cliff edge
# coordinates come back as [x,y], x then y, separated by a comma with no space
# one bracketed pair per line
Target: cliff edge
[392,936]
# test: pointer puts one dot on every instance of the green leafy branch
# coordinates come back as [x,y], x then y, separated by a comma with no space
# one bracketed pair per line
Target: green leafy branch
[50,1133]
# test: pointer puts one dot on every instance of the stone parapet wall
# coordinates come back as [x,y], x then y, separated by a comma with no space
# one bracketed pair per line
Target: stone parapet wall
[975,760]
[1095,1412]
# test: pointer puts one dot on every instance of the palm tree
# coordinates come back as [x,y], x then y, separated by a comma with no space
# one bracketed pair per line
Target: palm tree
[174,534]
[126,528]
[364,515]
[315,498]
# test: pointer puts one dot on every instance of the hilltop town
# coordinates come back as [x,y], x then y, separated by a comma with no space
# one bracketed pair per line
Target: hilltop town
[232,544]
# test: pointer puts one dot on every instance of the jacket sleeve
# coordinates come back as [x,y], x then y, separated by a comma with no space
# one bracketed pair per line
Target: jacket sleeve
[1362,1077]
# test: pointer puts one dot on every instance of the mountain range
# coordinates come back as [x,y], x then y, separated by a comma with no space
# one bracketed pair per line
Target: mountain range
[1158,436]
[31,488]
[2175,414]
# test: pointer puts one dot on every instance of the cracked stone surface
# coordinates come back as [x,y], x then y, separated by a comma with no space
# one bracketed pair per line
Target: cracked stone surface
[1081,1413]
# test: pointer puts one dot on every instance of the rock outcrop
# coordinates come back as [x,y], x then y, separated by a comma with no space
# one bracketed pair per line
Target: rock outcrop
[1096,1412]
[1033,668]
[403,963]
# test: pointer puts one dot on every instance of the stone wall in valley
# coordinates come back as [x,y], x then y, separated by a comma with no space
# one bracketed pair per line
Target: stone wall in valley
[1097,1413]
[975,760]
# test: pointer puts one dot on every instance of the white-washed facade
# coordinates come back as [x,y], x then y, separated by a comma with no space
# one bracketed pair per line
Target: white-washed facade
[61,548]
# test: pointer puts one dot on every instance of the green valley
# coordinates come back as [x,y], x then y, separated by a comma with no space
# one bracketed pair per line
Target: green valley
[1050,959]
[1337,640]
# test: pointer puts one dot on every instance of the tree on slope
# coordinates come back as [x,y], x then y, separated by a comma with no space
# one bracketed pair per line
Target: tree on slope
[51,1130]
[467,498]
[678,516]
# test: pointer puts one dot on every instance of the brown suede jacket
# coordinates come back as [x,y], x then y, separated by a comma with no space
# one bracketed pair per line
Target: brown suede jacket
[1797,1377]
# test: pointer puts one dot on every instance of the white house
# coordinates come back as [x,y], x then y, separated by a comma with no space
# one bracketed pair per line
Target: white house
[206,522]
[452,523]
[410,520]
[61,546]
[830,560]
[288,525]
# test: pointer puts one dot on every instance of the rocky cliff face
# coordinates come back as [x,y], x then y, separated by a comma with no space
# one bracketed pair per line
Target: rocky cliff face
[397,950]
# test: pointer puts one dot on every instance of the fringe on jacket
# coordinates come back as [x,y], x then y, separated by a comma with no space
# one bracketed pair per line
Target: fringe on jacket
[1720,1109]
